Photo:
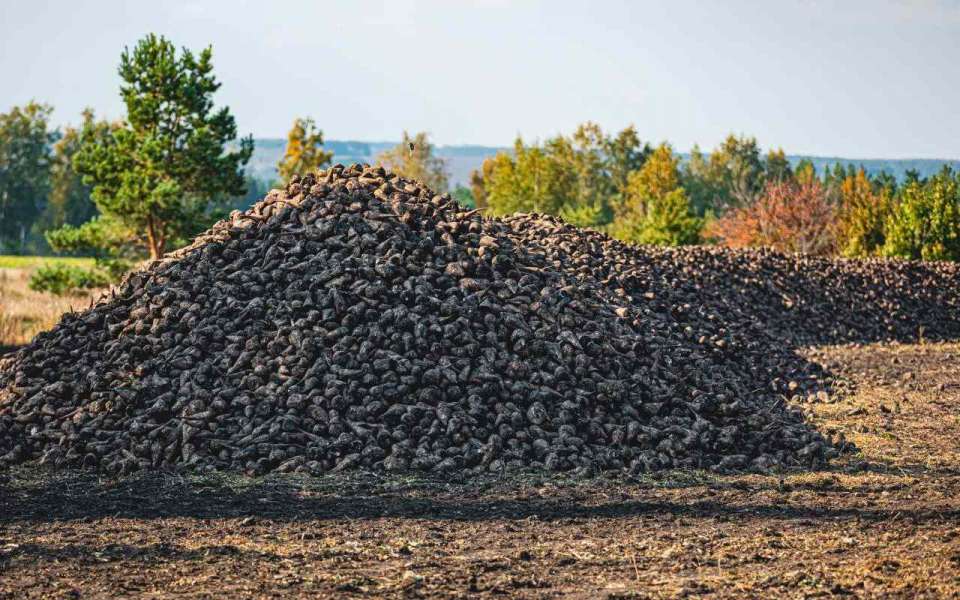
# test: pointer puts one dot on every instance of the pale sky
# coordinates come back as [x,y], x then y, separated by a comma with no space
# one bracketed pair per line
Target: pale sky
[855,78]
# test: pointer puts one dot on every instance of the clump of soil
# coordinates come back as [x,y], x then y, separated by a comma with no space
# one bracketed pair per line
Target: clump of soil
[357,319]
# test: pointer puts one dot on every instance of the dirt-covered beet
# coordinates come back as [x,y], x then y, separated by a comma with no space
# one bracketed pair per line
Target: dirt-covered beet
[358,320]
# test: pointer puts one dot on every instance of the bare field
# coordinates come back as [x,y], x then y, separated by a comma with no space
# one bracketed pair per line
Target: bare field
[881,523]
[24,312]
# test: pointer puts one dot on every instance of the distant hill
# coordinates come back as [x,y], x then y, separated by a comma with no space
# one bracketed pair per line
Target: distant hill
[896,167]
[463,159]
[460,159]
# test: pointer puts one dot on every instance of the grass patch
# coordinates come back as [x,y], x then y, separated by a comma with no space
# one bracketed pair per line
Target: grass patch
[9,261]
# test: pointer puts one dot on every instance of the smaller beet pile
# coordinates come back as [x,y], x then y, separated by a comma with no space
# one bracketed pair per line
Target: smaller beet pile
[358,320]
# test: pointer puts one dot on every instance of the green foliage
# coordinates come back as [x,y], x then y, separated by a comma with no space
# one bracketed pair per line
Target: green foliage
[670,221]
[733,175]
[101,234]
[25,140]
[582,178]
[62,279]
[582,157]
[532,180]
[657,209]
[70,200]
[736,166]
[594,214]
[695,180]
[925,224]
[834,178]
[105,238]
[625,154]
[156,174]
[776,167]
[413,158]
[464,196]
[658,176]
[805,172]
[304,153]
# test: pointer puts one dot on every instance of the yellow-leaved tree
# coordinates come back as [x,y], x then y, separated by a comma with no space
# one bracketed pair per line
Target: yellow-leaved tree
[862,216]
[305,153]
[413,158]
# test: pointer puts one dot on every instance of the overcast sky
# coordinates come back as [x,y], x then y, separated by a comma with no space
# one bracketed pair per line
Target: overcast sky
[854,78]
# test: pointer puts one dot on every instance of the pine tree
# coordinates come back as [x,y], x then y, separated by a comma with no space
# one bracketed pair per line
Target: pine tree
[157,173]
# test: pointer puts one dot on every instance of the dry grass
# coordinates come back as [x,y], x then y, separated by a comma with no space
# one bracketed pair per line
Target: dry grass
[24,313]
[10,261]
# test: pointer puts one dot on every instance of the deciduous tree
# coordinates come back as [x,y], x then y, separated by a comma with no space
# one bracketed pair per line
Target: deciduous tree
[25,142]
[70,200]
[414,158]
[862,215]
[789,216]
[582,177]
[532,180]
[925,224]
[657,209]
[478,179]
[304,153]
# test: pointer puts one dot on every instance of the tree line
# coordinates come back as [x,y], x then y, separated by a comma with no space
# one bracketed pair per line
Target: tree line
[138,187]
[734,196]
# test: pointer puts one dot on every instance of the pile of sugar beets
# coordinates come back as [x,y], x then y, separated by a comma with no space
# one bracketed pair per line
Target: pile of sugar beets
[358,320]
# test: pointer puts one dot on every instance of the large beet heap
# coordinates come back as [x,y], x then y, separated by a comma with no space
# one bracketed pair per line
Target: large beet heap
[358,320]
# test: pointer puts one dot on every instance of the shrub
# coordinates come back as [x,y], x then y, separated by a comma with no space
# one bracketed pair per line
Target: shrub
[61,279]
[790,216]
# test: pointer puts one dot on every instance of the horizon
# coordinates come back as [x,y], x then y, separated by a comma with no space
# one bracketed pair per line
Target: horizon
[706,151]
[857,80]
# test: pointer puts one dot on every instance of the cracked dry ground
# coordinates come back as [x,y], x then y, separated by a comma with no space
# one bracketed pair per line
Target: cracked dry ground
[882,523]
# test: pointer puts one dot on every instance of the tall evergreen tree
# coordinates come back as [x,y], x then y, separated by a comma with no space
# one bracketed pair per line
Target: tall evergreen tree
[155,176]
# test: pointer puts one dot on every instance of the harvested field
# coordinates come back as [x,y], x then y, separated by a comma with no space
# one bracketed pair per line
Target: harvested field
[884,523]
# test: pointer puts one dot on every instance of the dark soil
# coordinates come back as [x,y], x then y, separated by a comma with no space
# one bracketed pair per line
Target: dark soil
[883,523]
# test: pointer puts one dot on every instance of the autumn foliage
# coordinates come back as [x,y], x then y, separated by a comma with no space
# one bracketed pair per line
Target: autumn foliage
[862,216]
[790,215]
